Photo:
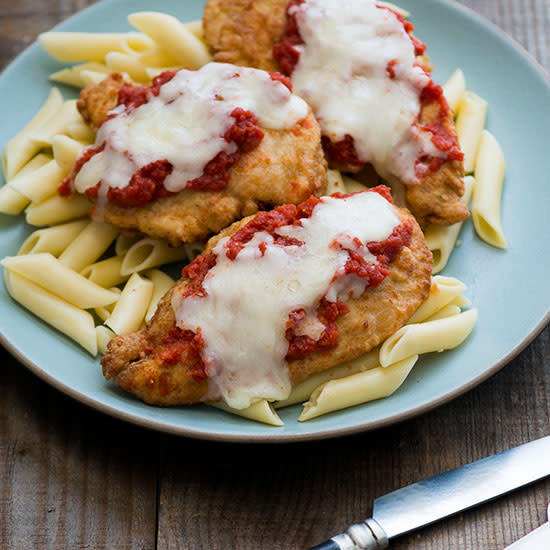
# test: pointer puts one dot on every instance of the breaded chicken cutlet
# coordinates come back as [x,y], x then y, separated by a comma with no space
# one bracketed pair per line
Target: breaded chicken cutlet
[323,45]
[196,151]
[309,287]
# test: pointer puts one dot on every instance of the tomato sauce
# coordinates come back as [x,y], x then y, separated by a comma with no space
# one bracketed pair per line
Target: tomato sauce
[183,346]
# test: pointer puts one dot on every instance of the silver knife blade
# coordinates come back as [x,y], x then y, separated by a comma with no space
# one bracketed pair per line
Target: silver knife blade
[539,539]
[438,497]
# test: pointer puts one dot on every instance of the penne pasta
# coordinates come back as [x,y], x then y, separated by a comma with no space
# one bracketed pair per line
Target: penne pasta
[335,183]
[192,250]
[155,71]
[53,239]
[353,186]
[13,201]
[132,305]
[77,47]
[441,240]
[357,389]
[172,36]
[489,169]
[49,273]
[58,123]
[427,337]
[72,76]
[136,43]
[125,63]
[40,184]
[472,112]
[442,292]
[104,336]
[262,411]
[66,318]
[90,244]
[105,312]
[447,311]
[123,243]
[22,148]
[148,253]
[301,392]
[57,209]
[80,131]
[161,284]
[65,151]
[105,273]
[454,89]
[93,77]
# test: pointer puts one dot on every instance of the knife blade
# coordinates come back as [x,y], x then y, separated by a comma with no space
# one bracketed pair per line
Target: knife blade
[440,496]
[539,539]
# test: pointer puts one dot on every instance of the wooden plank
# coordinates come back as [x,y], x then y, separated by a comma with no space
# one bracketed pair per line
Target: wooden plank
[69,476]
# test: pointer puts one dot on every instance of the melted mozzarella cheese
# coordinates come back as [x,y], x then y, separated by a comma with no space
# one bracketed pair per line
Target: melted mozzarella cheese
[243,317]
[342,74]
[185,124]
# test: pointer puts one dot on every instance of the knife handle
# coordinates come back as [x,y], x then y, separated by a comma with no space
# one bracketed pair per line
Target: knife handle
[367,535]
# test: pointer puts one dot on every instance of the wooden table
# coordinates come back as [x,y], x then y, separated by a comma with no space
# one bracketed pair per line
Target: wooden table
[73,478]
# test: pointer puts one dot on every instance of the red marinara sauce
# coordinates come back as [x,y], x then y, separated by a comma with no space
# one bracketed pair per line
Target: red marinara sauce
[327,312]
[343,152]
[147,183]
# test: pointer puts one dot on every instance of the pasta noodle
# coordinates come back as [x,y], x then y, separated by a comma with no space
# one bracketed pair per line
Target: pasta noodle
[105,273]
[22,148]
[132,305]
[427,337]
[11,200]
[262,411]
[39,184]
[56,124]
[148,253]
[77,47]
[161,284]
[472,112]
[57,209]
[301,392]
[72,76]
[90,244]
[66,318]
[446,311]
[335,182]
[53,239]
[125,63]
[172,36]
[81,132]
[356,389]
[104,336]
[65,151]
[441,239]
[490,168]
[442,292]
[123,243]
[46,271]
[454,89]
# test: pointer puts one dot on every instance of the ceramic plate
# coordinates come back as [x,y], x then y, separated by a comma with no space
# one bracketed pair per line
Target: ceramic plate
[509,287]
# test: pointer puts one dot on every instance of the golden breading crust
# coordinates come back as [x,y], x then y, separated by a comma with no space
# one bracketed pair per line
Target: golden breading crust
[294,158]
[244,32]
[133,365]
[96,100]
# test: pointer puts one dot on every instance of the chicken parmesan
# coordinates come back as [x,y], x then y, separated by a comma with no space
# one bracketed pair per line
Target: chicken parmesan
[275,298]
[196,150]
[363,72]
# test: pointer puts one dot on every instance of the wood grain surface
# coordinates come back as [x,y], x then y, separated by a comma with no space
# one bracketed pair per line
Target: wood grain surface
[73,478]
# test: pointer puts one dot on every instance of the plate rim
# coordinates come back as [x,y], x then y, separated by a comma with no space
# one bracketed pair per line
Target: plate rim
[326,433]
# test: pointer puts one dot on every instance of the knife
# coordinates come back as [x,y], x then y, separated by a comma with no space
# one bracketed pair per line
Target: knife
[539,539]
[435,498]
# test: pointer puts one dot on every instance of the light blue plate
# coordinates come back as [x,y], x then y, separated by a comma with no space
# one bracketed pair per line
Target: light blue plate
[509,287]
